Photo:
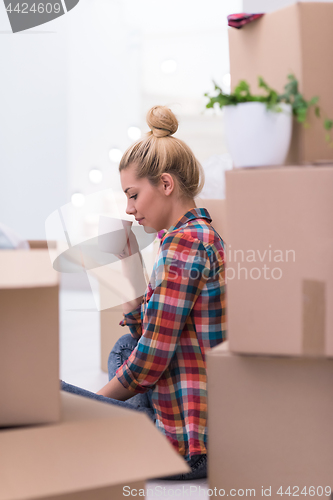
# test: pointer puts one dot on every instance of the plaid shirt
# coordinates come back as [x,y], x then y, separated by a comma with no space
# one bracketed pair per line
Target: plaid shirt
[182,315]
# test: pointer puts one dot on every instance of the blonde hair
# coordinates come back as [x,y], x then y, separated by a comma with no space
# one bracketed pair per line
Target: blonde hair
[158,152]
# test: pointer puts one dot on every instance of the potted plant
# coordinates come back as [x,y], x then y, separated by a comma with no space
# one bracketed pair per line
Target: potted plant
[259,127]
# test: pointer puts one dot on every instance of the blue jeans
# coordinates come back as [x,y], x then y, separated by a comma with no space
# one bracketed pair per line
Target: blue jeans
[198,464]
[120,352]
[140,402]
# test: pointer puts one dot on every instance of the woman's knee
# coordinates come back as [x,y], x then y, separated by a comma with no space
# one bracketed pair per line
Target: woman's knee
[125,342]
[120,352]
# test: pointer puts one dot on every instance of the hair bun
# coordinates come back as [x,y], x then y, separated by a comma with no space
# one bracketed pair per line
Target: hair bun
[161,121]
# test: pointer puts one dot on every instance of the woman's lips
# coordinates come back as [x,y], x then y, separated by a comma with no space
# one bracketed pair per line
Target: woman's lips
[140,220]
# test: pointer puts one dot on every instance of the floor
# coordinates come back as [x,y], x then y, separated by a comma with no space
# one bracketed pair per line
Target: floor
[80,365]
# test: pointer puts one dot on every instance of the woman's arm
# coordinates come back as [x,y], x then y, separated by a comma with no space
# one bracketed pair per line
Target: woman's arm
[182,270]
[115,390]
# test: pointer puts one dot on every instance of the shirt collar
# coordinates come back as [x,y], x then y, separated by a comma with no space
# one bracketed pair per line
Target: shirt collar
[194,213]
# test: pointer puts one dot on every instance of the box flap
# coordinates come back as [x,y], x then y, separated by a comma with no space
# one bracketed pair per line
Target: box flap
[94,445]
[26,269]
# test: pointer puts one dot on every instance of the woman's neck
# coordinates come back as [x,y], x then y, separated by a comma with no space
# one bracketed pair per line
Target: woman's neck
[179,210]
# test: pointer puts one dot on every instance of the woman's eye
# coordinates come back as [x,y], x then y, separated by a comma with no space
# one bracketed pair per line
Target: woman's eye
[134,196]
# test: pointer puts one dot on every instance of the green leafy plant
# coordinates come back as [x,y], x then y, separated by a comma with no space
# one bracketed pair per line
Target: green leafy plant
[300,107]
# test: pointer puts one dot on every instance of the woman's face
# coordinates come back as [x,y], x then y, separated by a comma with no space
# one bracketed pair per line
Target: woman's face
[148,204]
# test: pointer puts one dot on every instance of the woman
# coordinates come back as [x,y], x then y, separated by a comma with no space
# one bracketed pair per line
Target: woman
[182,313]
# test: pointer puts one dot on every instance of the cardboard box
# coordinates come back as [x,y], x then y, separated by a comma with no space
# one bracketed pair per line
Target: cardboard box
[91,454]
[280,260]
[29,339]
[269,424]
[111,331]
[295,39]
[111,283]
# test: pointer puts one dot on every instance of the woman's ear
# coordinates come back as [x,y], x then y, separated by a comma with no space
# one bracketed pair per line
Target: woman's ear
[168,183]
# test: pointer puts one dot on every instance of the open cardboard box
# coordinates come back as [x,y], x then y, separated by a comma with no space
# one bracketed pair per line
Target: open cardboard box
[94,451]
[280,260]
[29,340]
[111,331]
[269,424]
[111,285]
[295,39]
[110,317]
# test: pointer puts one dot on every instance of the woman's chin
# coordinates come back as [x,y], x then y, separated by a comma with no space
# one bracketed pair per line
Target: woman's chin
[149,230]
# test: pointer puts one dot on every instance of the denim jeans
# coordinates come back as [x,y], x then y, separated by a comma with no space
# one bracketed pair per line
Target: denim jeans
[198,464]
[140,402]
[120,352]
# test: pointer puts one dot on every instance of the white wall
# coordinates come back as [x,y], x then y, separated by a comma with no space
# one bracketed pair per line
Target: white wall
[33,134]
[71,88]
[103,92]
[194,34]
[115,51]
[253,6]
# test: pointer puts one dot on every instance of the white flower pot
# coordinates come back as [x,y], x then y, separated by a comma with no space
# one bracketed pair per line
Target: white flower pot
[256,136]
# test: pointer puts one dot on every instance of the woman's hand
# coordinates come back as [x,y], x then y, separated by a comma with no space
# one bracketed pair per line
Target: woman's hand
[131,247]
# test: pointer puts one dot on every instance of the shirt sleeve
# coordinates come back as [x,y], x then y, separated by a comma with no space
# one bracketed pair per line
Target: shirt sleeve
[133,321]
[181,273]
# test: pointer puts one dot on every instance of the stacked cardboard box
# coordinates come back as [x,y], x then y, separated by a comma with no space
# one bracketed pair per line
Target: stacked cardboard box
[280,260]
[295,40]
[29,340]
[270,395]
[269,424]
[85,449]
[270,387]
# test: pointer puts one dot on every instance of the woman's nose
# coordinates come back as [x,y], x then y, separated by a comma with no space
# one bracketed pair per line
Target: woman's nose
[130,209]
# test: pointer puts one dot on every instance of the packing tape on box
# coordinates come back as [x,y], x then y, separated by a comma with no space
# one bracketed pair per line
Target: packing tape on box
[314,310]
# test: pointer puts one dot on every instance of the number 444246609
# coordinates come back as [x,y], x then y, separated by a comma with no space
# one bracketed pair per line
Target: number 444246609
[36,8]
[296,491]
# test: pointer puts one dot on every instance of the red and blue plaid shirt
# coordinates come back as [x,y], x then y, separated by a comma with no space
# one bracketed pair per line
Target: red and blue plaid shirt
[182,315]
